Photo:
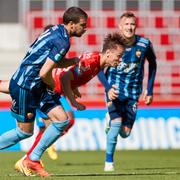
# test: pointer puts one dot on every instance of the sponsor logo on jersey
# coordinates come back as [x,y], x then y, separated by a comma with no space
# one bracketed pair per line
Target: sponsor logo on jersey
[62,52]
[128,49]
[141,44]
[57,57]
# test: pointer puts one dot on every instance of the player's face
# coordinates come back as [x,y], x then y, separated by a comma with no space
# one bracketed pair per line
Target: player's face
[114,56]
[79,28]
[127,27]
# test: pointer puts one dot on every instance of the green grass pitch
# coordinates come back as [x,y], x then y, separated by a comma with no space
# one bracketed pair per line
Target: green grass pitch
[88,165]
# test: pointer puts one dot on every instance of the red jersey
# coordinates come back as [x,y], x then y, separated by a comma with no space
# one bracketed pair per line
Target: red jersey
[91,62]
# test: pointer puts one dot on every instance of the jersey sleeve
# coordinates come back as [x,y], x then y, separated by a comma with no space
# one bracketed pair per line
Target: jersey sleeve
[103,80]
[58,51]
[151,57]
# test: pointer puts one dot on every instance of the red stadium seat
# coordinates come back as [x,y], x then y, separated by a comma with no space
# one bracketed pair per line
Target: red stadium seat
[60,20]
[110,22]
[92,39]
[170,55]
[159,23]
[89,23]
[164,39]
[137,22]
[175,74]
[38,22]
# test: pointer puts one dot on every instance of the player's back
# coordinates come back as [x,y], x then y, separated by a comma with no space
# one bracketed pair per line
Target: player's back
[91,64]
[46,45]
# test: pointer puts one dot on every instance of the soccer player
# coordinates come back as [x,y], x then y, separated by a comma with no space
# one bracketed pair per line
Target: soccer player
[123,84]
[68,80]
[32,86]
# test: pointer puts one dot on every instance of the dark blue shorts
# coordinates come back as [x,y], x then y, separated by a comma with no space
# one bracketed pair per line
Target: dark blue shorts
[125,109]
[64,103]
[25,102]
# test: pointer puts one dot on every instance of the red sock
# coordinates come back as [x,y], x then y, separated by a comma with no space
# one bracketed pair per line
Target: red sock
[38,137]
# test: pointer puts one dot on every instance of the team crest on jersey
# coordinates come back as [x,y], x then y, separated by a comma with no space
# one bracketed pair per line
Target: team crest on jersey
[138,53]
[30,115]
[109,103]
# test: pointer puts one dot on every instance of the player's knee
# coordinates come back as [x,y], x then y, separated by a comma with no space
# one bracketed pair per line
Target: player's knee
[125,132]
[22,135]
[71,123]
[61,125]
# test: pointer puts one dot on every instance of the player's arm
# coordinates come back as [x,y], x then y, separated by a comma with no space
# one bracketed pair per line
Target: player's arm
[54,59]
[66,62]
[4,86]
[76,92]
[151,57]
[103,80]
[110,90]
[67,90]
[46,73]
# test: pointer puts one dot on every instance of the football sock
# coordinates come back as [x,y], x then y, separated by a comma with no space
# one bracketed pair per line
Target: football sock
[71,123]
[50,135]
[38,137]
[112,140]
[12,137]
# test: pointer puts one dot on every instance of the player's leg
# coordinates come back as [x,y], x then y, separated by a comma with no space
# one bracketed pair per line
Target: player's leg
[129,118]
[69,111]
[107,122]
[51,151]
[51,107]
[4,86]
[19,164]
[111,137]
[22,103]
[65,104]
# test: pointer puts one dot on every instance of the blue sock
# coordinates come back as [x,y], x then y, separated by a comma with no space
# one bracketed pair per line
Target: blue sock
[50,135]
[112,140]
[12,137]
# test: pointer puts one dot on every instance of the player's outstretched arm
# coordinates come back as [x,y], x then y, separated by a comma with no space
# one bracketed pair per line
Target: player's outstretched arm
[68,92]
[66,62]
[4,86]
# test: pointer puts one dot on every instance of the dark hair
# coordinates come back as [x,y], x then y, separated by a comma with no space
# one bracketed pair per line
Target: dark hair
[111,41]
[74,14]
[48,26]
[128,15]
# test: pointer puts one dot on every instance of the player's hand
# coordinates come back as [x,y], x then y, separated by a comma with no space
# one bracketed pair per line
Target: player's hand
[79,106]
[147,98]
[76,92]
[76,60]
[113,93]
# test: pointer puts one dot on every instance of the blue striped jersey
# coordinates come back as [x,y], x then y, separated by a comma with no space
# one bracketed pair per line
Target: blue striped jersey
[53,43]
[128,75]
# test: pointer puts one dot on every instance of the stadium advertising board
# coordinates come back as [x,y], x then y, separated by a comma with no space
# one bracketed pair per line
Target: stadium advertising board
[153,129]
